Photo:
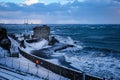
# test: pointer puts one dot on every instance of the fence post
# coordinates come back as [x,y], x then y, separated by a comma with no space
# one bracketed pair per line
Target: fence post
[28,67]
[5,62]
[19,65]
[37,71]
[4,54]
[12,62]
[48,72]
[83,77]
[74,75]
[60,74]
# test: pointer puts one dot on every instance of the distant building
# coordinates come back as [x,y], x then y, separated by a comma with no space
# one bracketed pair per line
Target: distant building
[41,32]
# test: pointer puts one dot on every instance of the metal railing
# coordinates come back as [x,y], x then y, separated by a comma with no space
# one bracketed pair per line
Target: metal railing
[30,68]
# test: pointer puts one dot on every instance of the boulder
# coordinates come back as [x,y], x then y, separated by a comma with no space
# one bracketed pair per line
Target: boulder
[53,41]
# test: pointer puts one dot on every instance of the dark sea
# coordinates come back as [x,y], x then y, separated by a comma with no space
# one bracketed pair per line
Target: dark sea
[99,54]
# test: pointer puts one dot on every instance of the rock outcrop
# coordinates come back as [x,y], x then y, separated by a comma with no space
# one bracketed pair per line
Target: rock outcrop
[53,41]
[4,41]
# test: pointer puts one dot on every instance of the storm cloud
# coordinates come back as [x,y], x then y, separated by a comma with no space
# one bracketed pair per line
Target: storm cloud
[75,12]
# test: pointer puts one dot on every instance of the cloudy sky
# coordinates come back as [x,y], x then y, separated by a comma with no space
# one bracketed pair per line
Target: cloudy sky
[60,11]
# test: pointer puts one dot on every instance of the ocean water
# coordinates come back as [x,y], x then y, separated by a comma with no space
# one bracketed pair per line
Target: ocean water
[98,53]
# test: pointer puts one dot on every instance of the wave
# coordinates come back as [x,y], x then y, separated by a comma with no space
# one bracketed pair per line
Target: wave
[101,67]
[101,49]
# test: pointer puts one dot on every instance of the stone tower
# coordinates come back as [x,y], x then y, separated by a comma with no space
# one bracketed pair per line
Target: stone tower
[41,32]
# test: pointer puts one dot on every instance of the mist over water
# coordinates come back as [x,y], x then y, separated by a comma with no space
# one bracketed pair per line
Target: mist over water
[98,47]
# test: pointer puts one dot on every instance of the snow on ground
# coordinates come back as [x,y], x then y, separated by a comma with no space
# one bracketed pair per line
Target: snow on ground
[15,76]
[24,65]
[14,45]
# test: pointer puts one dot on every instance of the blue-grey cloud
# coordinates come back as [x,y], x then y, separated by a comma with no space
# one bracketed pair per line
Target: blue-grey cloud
[117,0]
[9,7]
[88,11]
